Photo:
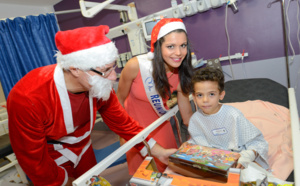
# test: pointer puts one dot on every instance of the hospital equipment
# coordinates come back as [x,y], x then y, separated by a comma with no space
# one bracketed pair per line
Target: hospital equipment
[286,31]
[194,59]
[233,5]
[217,3]
[244,68]
[228,39]
[123,58]
[90,9]
[248,89]
[285,41]
[148,25]
[203,5]
[134,28]
[289,35]
[189,7]
[202,62]
[177,12]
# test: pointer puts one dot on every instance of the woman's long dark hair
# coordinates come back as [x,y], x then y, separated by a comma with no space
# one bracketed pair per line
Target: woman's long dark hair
[185,70]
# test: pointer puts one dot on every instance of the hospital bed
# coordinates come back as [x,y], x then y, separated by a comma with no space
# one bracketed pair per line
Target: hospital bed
[259,89]
[236,91]
[256,89]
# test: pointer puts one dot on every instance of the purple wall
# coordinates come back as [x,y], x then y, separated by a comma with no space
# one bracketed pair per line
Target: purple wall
[256,28]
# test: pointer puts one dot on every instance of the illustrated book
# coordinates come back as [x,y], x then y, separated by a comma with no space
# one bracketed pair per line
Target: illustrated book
[200,161]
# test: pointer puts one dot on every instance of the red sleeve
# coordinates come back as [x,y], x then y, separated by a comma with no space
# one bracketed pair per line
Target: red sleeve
[28,140]
[117,119]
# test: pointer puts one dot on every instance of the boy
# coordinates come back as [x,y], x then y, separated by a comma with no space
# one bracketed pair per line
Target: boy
[223,126]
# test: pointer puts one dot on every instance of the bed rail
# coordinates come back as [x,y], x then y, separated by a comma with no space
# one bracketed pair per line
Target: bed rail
[101,166]
[295,127]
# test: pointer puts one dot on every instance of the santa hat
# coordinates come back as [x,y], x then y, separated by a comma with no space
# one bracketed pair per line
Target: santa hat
[162,28]
[85,48]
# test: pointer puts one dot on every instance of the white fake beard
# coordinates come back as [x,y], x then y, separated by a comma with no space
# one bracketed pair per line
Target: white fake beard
[101,87]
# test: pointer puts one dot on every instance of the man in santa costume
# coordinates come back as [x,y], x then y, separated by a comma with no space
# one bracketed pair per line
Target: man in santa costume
[52,109]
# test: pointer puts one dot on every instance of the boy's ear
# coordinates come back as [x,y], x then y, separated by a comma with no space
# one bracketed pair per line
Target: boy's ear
[222,95]
[194,98]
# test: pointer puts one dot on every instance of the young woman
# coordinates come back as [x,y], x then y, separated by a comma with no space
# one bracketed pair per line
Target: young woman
[147,82]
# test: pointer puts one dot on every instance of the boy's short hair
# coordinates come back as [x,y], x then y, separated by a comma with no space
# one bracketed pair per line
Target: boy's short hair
[209,74]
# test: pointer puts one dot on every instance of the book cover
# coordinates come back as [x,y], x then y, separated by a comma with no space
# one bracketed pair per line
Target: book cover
[146,176]
[206,159]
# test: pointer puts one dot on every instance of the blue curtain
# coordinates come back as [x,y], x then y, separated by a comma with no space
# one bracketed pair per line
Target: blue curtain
[25,44]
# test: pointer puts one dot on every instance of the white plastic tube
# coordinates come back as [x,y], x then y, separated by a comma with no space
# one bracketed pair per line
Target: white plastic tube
[295,127]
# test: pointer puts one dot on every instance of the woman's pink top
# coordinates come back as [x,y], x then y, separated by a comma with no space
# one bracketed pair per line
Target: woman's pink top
[137,105]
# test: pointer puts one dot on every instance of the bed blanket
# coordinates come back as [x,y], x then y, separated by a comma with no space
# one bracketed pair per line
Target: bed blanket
[274,122]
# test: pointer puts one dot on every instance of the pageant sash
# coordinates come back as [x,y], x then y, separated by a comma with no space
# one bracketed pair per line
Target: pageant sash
[148,82]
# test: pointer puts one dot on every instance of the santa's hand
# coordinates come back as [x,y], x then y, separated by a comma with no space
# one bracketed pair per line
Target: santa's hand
[247,156]
[161,153]
[70,180]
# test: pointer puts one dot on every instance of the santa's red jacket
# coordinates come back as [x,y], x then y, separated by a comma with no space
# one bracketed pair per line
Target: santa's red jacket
[39,111]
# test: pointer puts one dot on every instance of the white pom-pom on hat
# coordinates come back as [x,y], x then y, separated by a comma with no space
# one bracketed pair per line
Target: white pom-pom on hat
[150,55]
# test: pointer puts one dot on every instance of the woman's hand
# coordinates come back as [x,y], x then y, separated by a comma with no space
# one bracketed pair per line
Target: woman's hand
[161,153]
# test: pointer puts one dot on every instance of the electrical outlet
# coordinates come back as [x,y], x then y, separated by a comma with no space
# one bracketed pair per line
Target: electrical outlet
[123,58]
[119,63]
[194,6]
[187,9]
[216,3]
[190,8]
[203,5]
[178,12]
[215,63]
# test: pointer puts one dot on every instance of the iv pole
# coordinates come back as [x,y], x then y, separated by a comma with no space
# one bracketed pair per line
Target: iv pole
[285,42]
[285,37]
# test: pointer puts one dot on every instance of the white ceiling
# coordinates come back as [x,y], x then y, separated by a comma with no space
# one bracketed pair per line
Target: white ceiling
[32,2]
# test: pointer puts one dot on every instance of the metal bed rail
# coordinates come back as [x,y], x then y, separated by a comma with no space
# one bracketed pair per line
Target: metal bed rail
[101,166]
[295,127]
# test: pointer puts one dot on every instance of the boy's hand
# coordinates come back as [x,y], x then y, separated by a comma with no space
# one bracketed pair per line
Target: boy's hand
[239,166]
[247,156]
[183,145]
